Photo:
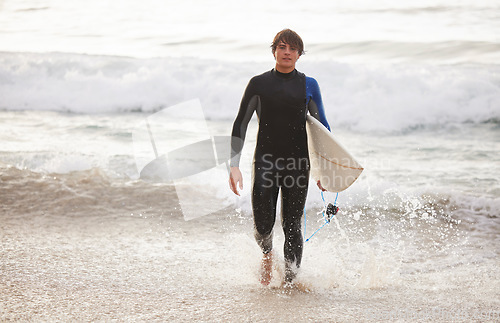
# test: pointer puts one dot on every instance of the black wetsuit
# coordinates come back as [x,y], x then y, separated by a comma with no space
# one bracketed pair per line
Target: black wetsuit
[281,159]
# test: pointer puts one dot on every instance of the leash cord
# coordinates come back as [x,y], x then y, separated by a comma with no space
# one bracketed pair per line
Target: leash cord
[327,220]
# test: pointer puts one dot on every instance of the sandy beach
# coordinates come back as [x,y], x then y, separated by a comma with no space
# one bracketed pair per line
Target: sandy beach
[99,261]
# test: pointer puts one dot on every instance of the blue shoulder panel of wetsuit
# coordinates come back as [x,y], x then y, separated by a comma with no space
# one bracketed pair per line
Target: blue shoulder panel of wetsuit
[313,93]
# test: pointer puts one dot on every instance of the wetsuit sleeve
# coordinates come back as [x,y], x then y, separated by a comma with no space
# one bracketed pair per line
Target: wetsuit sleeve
[315,103]
[249,104]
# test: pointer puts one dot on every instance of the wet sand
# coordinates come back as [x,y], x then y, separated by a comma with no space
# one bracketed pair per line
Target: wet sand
[132,269]
[78,247]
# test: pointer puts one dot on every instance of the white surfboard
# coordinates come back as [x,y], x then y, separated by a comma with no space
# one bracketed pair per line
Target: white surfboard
[330,162]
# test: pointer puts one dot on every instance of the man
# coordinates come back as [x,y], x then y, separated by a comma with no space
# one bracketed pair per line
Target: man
[281,99]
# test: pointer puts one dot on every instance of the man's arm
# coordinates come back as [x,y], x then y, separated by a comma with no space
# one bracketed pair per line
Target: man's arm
[315,107]
[315,102]
[249,104]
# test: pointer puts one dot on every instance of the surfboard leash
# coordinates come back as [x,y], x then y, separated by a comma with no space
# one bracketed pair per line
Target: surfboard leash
[328,212]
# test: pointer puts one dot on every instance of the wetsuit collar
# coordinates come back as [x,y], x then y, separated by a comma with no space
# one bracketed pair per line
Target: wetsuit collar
[285,76]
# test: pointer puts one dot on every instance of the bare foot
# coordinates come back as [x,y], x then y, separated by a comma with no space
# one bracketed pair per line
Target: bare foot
[266,268]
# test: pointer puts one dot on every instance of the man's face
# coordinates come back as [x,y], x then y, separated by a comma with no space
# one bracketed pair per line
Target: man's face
[286,56]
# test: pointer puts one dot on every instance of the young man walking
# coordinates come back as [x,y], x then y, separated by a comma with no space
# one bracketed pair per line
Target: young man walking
[281,98]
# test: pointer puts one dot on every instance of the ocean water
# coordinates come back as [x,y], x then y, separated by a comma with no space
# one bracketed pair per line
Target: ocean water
[412,89]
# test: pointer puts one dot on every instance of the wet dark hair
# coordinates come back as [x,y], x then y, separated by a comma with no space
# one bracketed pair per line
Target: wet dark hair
[290,37]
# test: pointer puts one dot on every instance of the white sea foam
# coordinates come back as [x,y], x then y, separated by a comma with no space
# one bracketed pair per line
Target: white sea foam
[361,97]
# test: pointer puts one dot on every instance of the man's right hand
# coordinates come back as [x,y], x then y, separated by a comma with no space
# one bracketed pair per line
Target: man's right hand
[235,177]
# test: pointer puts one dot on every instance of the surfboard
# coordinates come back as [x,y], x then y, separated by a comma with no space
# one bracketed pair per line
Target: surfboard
[331,163]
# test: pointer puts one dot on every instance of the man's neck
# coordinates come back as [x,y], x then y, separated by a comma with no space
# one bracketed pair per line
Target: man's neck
[284,70]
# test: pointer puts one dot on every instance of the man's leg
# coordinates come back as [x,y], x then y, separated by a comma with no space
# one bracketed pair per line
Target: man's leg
[293,199]
[264,199]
